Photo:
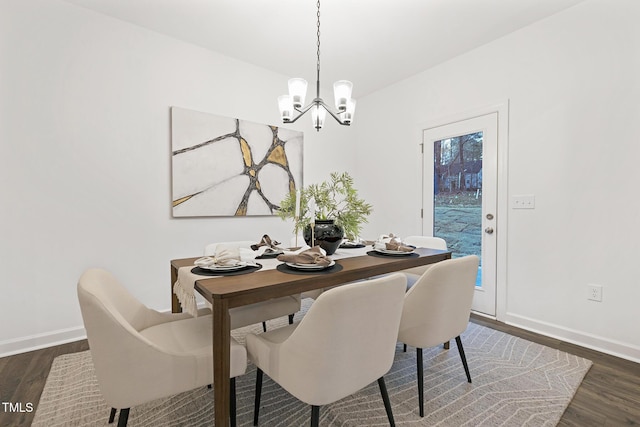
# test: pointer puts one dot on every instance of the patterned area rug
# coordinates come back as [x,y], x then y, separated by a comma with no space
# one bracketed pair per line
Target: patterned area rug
[515,383]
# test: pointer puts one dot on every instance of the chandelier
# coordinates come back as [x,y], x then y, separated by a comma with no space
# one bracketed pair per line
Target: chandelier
[294,101]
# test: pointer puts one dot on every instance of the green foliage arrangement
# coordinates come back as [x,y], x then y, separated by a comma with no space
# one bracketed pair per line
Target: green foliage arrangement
[335,199]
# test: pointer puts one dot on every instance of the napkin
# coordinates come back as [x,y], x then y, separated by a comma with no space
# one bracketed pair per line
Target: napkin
[315,255]
[391,242]
[386,238]
[266,241]
[225,256]
[396,245]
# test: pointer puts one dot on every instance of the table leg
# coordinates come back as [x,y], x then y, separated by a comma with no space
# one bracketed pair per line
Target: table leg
[221,360]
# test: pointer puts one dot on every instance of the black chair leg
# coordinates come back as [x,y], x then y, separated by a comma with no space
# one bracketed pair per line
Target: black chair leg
[404,348]
[464,359]
[315,416]
[232,401]
[291,319]
[123,417]
[420,381]
[385,399]
[264,326]
[112,415]
[256,405]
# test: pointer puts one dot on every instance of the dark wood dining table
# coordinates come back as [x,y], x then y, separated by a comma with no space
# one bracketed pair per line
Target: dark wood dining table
[233,291]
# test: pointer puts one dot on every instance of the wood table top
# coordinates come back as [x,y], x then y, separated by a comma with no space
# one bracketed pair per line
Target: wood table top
[271,283]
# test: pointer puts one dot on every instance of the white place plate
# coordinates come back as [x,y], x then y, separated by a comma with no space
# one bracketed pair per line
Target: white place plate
[309,266]
[390,252]
[223,267]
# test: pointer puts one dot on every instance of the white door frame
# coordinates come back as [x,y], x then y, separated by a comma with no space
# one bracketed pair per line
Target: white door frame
[502,110]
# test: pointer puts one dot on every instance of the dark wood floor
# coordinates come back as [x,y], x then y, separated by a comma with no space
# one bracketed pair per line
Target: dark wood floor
[608,396]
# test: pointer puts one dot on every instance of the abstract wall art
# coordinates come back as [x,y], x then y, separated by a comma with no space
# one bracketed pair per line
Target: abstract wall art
[223,166]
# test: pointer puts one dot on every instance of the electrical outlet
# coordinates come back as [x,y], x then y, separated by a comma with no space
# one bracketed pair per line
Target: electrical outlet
[523,201]
[594,292]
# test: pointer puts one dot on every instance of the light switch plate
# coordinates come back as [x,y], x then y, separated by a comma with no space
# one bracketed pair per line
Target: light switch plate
[523,201]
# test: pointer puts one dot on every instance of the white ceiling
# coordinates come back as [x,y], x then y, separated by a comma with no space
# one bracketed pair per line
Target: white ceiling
[373,43]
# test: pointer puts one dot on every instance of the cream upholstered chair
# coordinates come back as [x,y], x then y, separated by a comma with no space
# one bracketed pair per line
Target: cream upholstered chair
[259,311]
[140,354]
[437,308]
[413,274]
[426,242]
[338,348]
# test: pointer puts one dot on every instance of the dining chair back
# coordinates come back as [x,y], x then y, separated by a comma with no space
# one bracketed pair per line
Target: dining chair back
[426,242]
[210,249]
[413,274]
[437,308]
[140,354]
[338,348]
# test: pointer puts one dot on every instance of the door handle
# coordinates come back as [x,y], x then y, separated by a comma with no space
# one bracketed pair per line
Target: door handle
[488,230]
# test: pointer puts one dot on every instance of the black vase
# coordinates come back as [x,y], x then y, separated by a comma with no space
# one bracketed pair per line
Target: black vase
[326,234]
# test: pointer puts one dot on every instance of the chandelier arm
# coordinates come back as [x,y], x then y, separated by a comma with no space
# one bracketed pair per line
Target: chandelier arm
[326,107]
[317,102]
[302,111]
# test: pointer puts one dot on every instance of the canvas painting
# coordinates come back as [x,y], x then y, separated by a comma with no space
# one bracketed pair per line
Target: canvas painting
[224,166]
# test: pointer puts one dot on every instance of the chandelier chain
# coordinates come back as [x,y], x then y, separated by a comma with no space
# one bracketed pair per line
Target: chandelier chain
[318,44]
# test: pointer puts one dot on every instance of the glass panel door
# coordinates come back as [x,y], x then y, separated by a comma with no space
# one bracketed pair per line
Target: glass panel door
[457,194]
[460,196]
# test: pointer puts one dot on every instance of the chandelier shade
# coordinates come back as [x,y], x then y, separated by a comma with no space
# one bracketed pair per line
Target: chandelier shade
[297,91]
[285,103]
[318,115]
[293,103]
[347,115]
[342,93]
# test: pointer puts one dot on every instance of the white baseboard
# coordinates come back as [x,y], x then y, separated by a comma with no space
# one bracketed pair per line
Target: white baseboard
[38,341]
[583,339]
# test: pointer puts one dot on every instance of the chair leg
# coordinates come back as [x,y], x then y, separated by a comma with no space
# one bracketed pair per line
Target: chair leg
[112,415]
[385,399]
[446,345]
[123,417]
[420,381]
[404,348]
[232,401]
[264,326]
[464,359]
[315,416]
[291,319]
[256,405]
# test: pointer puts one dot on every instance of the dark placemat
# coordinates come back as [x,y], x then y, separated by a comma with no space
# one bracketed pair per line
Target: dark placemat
[351,246]
[381,255]
[246,270]
[268,255]
[285,269]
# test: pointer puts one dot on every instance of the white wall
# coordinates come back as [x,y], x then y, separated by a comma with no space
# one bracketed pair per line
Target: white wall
[573,84]
[85,159]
